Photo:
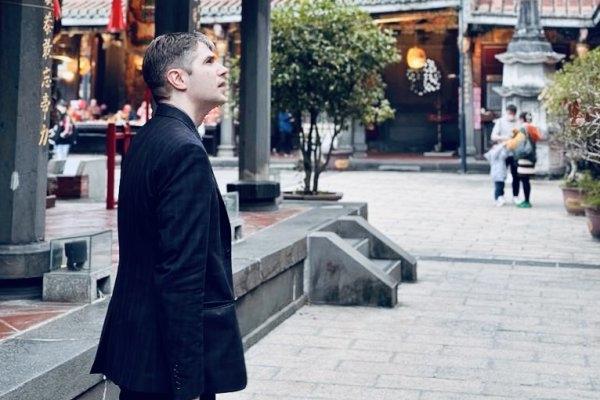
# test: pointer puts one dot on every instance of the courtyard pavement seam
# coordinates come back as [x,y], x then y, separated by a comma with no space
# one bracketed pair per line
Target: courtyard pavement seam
[507,261]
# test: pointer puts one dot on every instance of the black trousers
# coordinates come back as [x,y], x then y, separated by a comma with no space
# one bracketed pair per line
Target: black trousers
[128,395]
[526,186]
[498,190]
[512,164]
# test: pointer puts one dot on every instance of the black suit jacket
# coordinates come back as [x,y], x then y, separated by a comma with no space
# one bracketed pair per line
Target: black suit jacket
[171,325]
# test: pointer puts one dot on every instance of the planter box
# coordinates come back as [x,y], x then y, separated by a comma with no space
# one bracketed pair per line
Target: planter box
[73,187]
[593,216]
[573,198]
[50,201]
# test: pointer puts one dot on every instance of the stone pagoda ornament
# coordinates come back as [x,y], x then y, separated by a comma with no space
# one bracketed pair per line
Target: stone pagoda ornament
[529,63]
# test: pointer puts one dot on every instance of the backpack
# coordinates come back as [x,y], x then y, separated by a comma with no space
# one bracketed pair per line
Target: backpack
[526,149]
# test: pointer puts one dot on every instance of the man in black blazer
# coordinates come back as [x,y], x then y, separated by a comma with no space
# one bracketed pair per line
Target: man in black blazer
[171,330]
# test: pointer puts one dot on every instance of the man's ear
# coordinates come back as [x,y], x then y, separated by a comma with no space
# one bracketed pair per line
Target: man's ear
[177,78]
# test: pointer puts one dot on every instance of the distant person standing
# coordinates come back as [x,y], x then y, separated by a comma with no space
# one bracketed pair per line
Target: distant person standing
[502,132]
[285,128]
[523,146]
[144,112]
[62,131]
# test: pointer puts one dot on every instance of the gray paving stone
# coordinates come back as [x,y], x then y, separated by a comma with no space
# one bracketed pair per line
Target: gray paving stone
[448,385]
[366,393]
[466,330]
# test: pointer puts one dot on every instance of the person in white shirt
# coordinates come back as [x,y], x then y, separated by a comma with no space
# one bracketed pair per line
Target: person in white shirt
[502,132]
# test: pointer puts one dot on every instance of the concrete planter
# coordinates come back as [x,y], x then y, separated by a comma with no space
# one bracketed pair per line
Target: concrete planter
[573,198]
[321,196]
[593,216]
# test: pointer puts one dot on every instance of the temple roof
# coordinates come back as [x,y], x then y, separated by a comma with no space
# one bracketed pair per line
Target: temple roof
[554,13]
[89,13]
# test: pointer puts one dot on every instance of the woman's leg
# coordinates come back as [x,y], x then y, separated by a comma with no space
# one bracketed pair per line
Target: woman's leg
[526,187]
[515,177]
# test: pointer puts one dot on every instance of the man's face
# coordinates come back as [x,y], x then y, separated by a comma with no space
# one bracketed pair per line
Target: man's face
[511,116]
[208,81]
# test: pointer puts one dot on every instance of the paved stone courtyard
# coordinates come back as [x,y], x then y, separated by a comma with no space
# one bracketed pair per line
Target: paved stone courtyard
[492,326]
[451,217]
[464,331]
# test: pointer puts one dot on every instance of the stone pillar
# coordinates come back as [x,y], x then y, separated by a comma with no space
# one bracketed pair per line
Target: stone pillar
[344,140]
[227,145]
[529,63]
[468,90]
[176,16]
[26,43]
[359,140]
[255,191]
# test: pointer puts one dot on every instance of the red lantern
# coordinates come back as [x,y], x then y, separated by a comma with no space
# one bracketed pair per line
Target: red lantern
[116,22]
[56,10]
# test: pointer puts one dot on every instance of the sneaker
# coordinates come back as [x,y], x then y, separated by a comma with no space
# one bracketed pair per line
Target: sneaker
[516,200]
[524,204]
[500,201]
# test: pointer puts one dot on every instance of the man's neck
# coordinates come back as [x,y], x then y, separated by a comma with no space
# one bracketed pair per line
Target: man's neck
[195,112]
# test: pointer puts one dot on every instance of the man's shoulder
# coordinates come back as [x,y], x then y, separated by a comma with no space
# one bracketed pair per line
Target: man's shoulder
[168,134]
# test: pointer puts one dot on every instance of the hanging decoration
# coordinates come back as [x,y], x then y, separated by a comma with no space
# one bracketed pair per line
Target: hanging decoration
[116,21]
[416,58]
[424,80]
[56,10]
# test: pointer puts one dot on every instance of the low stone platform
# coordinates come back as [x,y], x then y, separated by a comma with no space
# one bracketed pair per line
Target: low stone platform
[83,216]
[52,361]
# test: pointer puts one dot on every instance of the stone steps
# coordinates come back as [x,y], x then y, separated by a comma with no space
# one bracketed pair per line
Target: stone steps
[351,263]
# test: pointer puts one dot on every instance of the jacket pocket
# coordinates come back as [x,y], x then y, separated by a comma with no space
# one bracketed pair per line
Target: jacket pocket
[225,369]
[210,305]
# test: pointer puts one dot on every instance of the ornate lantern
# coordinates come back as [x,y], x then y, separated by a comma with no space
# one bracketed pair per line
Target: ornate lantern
[416,58]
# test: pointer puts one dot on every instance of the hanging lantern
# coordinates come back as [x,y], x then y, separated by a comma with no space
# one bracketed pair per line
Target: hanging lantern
[416,58]
[116,22]
[56,10]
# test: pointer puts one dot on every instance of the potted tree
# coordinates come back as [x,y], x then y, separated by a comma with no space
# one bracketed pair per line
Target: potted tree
[592,206]
[573,192]
[573,101]
[327,60]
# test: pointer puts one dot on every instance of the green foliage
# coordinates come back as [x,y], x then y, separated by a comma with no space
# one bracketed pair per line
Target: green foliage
[573,100]
[327,57]
[591,189]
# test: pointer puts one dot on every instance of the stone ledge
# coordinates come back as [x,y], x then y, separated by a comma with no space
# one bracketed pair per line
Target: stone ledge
[52,361]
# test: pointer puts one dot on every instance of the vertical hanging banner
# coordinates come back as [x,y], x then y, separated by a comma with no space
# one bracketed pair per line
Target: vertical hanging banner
[46,70]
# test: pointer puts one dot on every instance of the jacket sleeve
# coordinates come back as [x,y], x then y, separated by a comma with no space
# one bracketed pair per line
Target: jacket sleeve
[183,216]
[495,137]
[513,143]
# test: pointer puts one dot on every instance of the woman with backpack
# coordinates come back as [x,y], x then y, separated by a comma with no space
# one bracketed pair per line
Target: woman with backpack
[523,146]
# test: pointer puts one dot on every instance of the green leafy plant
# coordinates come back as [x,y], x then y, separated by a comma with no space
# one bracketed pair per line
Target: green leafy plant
[572,99]
[327,59]
[591,189]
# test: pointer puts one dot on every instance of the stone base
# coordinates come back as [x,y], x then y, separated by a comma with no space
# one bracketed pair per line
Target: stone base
[24,261]
[64,285]
[236,229]
[225,150]
[257,195]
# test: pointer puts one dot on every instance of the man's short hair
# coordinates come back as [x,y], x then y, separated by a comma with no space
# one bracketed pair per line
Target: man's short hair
[512,109]
[171,50]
